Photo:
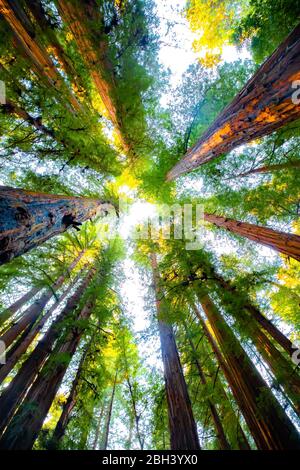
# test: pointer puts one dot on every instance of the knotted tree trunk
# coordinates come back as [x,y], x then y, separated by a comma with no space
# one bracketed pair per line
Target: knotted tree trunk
[28,219]
[262,106]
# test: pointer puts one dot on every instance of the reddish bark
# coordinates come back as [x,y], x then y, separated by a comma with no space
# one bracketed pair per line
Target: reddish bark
[262,106]
[32,313]
[270,426]
[12,395]
[13,308]
[271,168]
[26,424]
[20,25]
[183,430]
[28,219]
[285,243]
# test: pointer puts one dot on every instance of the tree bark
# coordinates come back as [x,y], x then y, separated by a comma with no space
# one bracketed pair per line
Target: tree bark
[64,419]
[98,429]
[13,308]
[270,168]
[28,219]
[109,413]
[286,243]
[42,63]
[26,424]
[14,393]
[221,436]
[33,312]
[183,430]
[264,105]
[81,20]
[270,426]
[25,341]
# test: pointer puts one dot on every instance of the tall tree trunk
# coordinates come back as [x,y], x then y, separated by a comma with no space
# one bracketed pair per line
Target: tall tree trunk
[98,428]
[29,335]
[183,430]
[262,106]
[285,243]
[14,393]
[13,308]
[28,219]
[230,377]
[33,312]
[27,422]
[264,322]
[270,168]
[42,63]
[136,415]
[221,436]
[64,419]
[81,20]
[274,430]
[109,413]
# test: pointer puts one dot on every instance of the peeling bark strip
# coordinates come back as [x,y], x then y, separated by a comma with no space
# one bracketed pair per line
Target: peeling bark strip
[19,22]
[262,106]
[183,429]
[286,243]
[81,19]
[28,219]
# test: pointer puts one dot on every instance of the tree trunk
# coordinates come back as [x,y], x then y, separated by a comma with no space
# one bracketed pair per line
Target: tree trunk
[285,243]
[27,422]
[13,308]
[264,105]
[183,429]
[64,419]
[14,393]
[32,313]
[264,322]
[81,20]
[28,219]
[109,413]
[221,436]
[98,429]
[274,430]
[270,168]
[42,63]
[30,333]
[136,416]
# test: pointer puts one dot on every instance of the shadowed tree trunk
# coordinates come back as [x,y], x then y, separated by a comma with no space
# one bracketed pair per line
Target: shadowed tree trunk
[27,422]
[64,419]
[33,312]
[221,436]
[262,106]
[273,429]
[109,413]
[183,430]
[13,308]
[14,393]
[285,243]
[29,335]
[39,57]
[270,168]
[28,219]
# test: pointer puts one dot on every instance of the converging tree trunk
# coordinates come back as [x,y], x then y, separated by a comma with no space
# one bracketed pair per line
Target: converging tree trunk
[26,424]
[109,413]
[28,219]
[32,313]
[14,393]
[183,430]
[221,436]
[270,426]
[286,243]
[264,104]
[18,304]
[270,168]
